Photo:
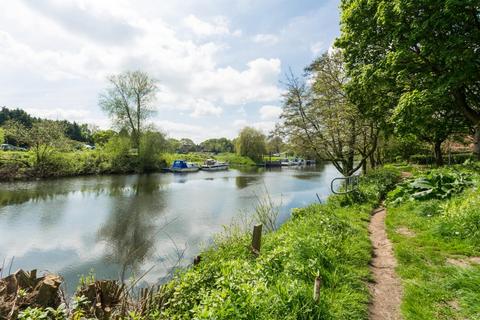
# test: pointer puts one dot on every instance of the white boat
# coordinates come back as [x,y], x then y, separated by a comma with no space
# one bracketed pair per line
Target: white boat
[289,163]
[214,165]
[184,166]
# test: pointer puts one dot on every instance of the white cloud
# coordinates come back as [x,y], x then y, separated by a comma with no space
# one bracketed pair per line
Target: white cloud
[258,83]
[190,79]
[270,112]
[265,38]
[240,123]
[205,108]
[219,26]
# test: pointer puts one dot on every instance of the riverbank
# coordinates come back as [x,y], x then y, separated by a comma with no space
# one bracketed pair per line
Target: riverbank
[432,220]
[329,241]
[16,165]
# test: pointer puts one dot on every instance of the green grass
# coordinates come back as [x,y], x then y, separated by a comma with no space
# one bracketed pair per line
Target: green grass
[440,229]
[230,283]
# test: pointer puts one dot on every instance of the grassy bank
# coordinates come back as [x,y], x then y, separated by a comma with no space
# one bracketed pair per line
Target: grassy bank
[434,223]
[22,165]
[16,165]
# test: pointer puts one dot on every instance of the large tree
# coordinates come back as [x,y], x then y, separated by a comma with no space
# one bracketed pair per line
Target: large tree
[129,100]
[319,118]
[429,118]
[393,48]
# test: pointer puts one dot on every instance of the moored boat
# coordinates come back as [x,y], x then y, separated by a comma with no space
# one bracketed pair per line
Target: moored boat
[214,165]
[293,162]
[184,166]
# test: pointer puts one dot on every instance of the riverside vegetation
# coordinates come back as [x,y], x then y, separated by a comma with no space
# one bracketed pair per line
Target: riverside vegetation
[433,220]
[328,240]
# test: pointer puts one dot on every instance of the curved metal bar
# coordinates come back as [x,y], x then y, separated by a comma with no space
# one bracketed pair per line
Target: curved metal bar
[349,181]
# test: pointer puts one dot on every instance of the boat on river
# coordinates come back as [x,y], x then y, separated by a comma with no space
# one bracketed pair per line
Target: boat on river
[214,165]
[184,166]
[292,162]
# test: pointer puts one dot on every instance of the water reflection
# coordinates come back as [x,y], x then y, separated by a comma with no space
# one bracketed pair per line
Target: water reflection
[244,181]
[122,225]
[130,229]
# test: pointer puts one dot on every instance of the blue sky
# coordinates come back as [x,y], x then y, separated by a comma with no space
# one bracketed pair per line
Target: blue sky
[219,63]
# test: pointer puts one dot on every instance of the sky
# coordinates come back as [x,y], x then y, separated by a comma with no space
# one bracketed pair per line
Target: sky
[219,63]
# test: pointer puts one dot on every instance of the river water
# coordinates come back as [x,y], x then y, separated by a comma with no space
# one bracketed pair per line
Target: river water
[124,225]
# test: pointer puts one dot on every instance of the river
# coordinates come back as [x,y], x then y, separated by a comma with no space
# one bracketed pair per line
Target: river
[125,225]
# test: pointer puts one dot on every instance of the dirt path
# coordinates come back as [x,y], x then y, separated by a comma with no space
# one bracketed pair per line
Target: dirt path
[386,290]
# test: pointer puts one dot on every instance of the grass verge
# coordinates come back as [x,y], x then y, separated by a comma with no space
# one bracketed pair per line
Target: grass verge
[435,236]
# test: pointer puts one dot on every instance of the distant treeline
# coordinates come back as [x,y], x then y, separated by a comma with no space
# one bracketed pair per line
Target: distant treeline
[73,130]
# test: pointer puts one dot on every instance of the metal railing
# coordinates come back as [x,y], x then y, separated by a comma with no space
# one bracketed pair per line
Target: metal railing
[350,184]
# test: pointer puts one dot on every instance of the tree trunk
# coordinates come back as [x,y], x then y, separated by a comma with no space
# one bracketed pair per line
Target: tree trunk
[476,142]
[373,162]
[438,153]
[470,114]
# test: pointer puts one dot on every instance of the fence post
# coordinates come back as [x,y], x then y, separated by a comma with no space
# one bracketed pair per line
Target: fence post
[316,288]
[197,260]
[257,238]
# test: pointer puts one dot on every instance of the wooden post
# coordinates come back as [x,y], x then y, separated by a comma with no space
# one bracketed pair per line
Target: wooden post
[257,238]
[197,260]
[316,288]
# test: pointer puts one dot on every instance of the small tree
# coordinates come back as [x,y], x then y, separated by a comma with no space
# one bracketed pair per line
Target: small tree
[153,143]
[128,101]
[43,138]
[251,143]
